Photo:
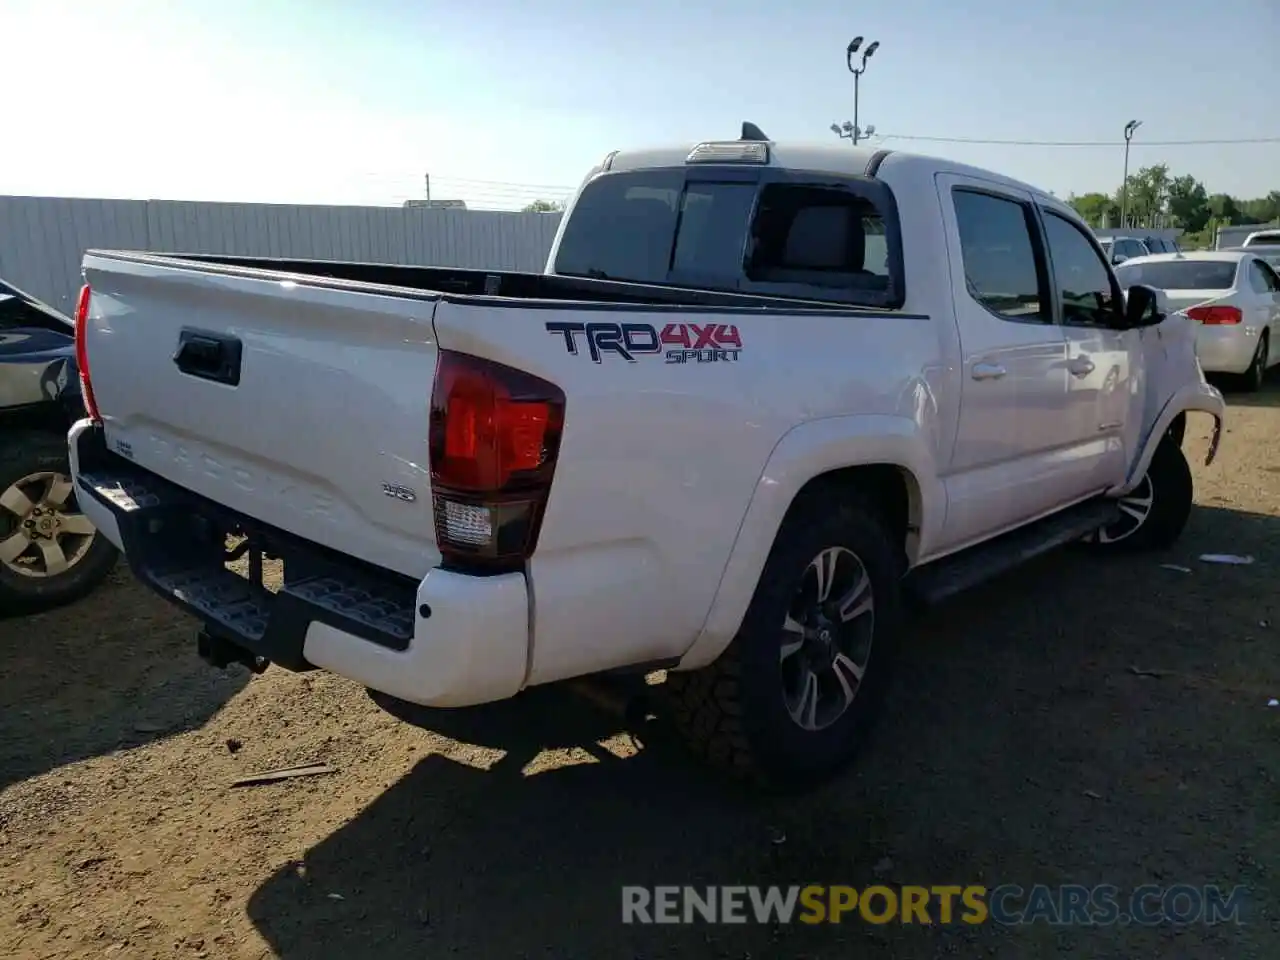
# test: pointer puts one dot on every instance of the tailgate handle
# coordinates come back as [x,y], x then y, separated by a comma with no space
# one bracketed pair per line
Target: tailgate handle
[209,356]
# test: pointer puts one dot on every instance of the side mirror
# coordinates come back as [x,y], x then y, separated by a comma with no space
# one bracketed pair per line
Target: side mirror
[1143,306]
[1118,259]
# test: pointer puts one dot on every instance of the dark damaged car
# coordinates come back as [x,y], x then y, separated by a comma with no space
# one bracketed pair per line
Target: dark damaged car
[50,554]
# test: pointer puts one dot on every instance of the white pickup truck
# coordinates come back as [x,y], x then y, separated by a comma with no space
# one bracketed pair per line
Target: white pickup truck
[760,397]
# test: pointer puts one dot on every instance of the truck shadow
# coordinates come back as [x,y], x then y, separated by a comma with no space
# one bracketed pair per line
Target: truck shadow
[112,671]
[524,858]
[1053,726]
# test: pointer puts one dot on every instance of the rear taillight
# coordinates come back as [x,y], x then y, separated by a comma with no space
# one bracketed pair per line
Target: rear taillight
[1215,316]
[82,354]
[493,443]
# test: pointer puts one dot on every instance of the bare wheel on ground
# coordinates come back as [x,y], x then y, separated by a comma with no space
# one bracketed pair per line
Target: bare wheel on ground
[50,553]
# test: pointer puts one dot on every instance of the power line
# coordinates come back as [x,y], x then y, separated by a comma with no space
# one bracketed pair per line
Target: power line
[442,193]
[497,194]
[503,194]
[1081,143]
[503,184]
[416,178]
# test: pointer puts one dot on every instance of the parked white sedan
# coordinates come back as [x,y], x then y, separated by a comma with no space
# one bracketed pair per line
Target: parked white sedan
[1233,295]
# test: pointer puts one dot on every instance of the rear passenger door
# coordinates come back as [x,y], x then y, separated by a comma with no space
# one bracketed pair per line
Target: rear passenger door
[1008,464]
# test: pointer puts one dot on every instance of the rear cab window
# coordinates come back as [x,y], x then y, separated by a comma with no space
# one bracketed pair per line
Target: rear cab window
[766,231]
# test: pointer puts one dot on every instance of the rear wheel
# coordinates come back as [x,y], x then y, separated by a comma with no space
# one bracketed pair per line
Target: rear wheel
[50,554]
[1253,379]
[1154,513]
[790,700]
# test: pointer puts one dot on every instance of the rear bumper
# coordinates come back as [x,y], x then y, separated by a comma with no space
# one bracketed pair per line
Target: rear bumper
[450,640]
[1226,349]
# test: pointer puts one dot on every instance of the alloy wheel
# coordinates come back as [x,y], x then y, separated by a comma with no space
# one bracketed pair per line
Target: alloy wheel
[826,639]
[1135,507]
[42,534]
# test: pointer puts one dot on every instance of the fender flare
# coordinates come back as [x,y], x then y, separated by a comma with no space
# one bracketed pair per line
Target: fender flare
[807,451]
[1200,397]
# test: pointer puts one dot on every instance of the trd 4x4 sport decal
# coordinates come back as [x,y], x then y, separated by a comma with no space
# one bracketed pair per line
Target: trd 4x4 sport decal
[679,342]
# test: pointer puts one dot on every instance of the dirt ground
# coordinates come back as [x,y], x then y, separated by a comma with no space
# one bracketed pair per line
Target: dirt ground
[1019,746]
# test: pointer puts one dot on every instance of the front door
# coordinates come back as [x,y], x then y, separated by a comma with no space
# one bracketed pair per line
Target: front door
[1101,360]
[1008,464]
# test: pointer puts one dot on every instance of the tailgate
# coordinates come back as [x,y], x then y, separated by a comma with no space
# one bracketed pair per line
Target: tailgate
[303,406]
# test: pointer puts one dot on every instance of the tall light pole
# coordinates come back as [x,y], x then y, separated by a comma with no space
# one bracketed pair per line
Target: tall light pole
[1129,129]
[847,129]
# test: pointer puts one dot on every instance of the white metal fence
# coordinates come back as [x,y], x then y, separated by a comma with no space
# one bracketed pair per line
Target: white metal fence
[1235,236]
[42,239]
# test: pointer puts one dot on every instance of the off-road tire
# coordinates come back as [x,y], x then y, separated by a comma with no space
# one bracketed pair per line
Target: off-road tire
[36,452]
[731,712]
[1173,491]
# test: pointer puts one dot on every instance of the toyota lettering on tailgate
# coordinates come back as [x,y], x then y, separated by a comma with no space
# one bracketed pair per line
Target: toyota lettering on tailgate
[678,342]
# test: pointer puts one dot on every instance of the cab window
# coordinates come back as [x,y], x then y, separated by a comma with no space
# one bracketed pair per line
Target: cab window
[835,241]
[1002,269]
[1087,290]
[1261,278]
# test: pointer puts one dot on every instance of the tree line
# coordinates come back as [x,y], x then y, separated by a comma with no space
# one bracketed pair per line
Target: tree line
[1157,199]
[544,206]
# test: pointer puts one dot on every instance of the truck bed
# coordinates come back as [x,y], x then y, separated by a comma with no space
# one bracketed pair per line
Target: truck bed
[333,369]
[456,282]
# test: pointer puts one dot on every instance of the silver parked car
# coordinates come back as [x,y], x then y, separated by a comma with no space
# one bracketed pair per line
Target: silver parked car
[1233,296]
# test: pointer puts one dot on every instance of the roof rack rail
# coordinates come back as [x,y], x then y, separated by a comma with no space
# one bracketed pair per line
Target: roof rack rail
[751,132]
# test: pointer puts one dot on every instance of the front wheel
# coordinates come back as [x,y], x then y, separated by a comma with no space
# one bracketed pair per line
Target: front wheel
[1153,514]
[50,554]
[790,700]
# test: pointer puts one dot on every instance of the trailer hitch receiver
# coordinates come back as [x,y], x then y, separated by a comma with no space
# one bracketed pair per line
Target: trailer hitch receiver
[221,653]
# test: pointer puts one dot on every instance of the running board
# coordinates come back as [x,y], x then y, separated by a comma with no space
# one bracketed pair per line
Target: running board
[951,575]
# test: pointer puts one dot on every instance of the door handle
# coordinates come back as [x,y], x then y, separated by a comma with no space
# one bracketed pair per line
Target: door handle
[984,370]
[1080,366]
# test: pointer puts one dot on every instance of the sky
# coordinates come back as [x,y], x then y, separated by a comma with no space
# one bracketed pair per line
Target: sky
[500,102]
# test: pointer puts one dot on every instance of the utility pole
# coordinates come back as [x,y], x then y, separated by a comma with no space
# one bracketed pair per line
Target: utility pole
[426,180]
[1129,129]
[847,130]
